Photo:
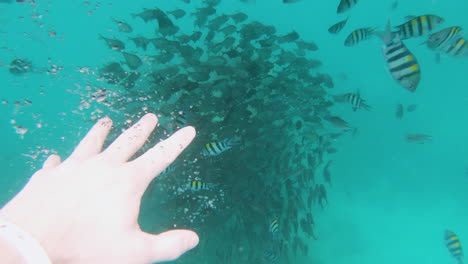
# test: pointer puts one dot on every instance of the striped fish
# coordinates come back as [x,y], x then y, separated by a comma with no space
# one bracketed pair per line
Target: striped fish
[270,257]
[402,64]
[358,35]
[458,48]
[274,226]
[345,5]
[336,28]
[443,39]
[454,246]
[180,119]
[354,99]
[200,185]
[216,148]
[418,26]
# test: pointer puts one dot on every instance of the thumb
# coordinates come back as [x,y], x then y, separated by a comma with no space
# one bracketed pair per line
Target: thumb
[171,244]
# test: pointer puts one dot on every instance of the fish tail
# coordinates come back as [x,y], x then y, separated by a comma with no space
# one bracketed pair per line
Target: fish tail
[386,36]
[366,106]
[233,141]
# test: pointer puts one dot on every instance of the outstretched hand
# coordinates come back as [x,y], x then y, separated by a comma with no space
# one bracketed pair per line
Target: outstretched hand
[85,209]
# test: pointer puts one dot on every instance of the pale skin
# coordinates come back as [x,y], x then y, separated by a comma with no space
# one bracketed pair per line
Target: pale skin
[85,209]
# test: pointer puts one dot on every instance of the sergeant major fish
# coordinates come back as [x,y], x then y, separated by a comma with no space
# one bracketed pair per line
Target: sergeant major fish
[196,186]
[216,148]
[345,5]
[359,35]
[274,226]
[354,99]
[454,246]
[336,28]
[441,40]
[402,64]
[418,25]
[449,41]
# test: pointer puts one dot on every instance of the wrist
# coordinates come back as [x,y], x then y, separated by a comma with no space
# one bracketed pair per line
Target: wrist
[10,254]
[17,245]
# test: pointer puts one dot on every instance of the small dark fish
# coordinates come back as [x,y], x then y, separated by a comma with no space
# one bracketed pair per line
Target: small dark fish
[20,66]
[336,28]
[132,60]
[146,15]
[339,123]
[141,42]
[130,81]
[411,108]
[239,17]
[290,37]
[123,26]
[345,5]
[326,172]
[307,45]
[321,194]
[290,1]
[178,13]
[359,35]
[196,36]
[112,72]
[399,111]
[228,30]
[394,5]
[114,44]
[418,138]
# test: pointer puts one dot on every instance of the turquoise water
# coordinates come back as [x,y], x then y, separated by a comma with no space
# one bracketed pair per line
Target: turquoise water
[390,200]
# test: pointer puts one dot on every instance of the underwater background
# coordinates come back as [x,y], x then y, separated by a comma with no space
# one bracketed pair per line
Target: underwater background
[274,196]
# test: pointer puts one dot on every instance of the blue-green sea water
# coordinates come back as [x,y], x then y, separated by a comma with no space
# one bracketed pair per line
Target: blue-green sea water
[390,200]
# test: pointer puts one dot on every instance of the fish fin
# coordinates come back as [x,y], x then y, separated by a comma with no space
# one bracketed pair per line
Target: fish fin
[354,130]
[387,35]
[354,108]
[407,18]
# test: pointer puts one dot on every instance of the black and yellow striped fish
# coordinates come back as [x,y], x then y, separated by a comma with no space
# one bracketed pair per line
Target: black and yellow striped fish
[356,101]
[336,28]
[198,186]
[454,246]
[274,226]
[458,47]
[216,148]
[402,64]
[418,26]
[443,39]
[345,5]
[358,35]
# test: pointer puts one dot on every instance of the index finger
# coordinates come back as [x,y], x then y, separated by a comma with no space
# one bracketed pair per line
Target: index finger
[132,139]
[156,159]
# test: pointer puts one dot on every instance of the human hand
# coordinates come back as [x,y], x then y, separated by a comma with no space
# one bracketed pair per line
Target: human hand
[85,209]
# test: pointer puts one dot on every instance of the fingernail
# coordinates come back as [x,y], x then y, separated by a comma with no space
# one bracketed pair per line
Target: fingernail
[193,241]
[152,116]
